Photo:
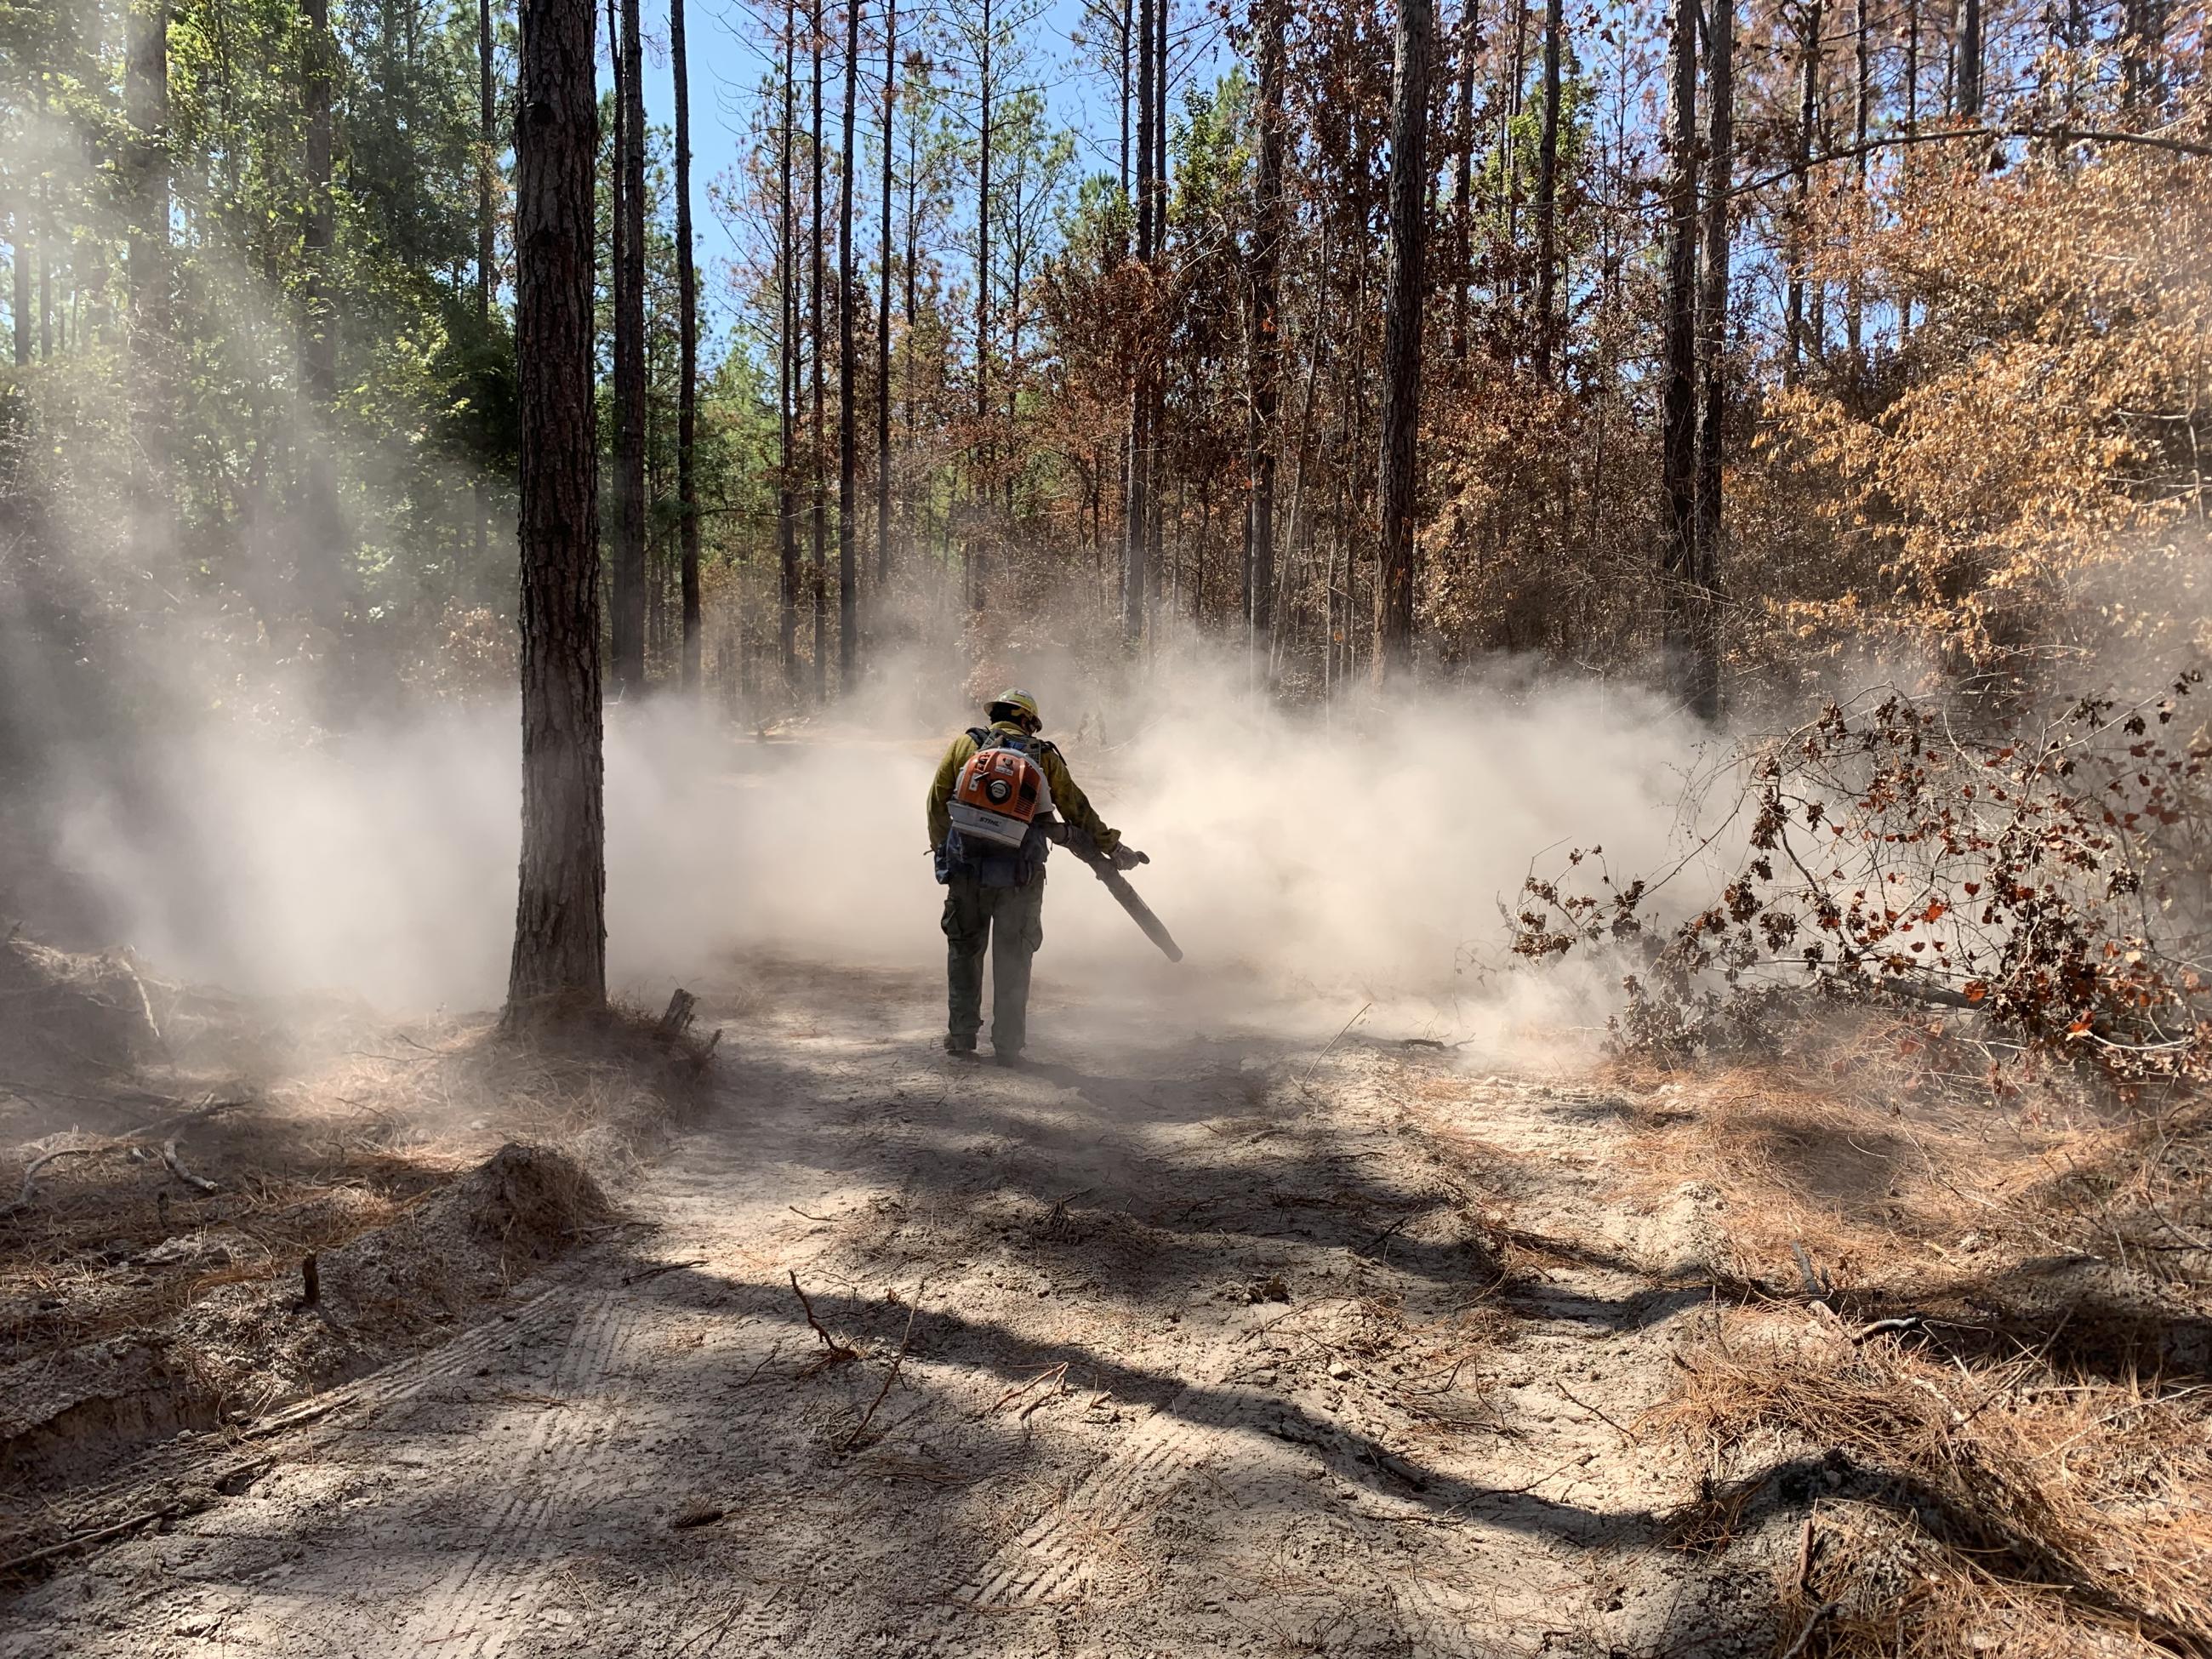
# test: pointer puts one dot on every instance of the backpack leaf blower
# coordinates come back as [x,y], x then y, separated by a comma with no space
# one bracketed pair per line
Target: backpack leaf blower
[1079,842]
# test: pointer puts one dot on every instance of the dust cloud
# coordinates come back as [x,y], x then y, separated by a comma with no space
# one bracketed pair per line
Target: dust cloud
[1363,849]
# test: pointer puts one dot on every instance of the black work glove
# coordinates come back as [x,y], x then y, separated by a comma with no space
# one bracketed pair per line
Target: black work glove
[1126,857]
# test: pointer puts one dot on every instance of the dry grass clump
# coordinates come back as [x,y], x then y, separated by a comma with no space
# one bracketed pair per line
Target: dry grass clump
[1869,1141]
[1956,1510]
[106,1235]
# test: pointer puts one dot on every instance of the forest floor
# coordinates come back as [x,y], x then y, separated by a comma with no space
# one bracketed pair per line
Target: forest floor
[1166,1343]
[1191,1336]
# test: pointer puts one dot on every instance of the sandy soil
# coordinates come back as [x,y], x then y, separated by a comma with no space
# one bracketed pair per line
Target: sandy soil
[1170,1343]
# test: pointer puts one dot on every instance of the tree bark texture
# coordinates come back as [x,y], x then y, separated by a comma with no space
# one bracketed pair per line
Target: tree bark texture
[629,362]
[817,491]
[1137,493]
[20,223]
[560,922]
[1703,667]
[1800,218]
[1547,191]
[1970,61]
[687,380]
[317,326]
[849,436]
[146,97]
[1401,350]
[786,522]
[487,158]
[1679,395]
[1266,338]
[883,307]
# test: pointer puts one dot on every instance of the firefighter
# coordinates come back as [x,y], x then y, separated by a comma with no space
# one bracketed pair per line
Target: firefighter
[994,893]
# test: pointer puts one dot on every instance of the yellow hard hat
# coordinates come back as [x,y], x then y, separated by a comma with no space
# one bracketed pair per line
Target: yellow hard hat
[1015,697]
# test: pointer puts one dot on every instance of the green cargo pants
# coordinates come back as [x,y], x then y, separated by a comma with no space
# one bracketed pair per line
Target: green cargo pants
[1011,921]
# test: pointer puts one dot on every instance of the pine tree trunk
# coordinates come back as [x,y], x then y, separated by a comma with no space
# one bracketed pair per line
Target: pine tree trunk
[1547,191]
[317,327]
[848,437]
[1470,47]
[1266,341]
[1679,397]
[560,922]
[1157,463]
[629,574]
[1862,110]
[1705,696]
[687,374]
[487,252]
[819,490]
[487,160]
[146,99]
[1401,352]
[1970,62]
[1137,494]
[884,309]
[26,256]
[981,488]
[787,526]
[1800,218]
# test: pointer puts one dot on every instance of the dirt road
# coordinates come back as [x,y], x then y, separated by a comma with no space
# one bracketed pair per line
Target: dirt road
[1170,1344]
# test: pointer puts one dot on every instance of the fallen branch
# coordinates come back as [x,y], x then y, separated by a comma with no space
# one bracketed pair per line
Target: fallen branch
[167,1512]
[1626,1438]
[643,1274]
[176,1167]
[1813,1624]
[1054,1374]
[1333,1041]
[889,1377]
[837,1350]
[31,1174]
[1888,1328]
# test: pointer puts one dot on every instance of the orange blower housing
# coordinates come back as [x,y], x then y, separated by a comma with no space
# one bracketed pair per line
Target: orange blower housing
[1001,794]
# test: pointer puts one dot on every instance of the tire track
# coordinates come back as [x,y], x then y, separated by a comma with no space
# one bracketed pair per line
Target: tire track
[1058,1552]
[464,1614]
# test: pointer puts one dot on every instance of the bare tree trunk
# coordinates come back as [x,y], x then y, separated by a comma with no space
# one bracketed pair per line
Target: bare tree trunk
[317,327]
[787,532]
[1470,45]
[848,437]
[1861,107]
[1156,426]
[2143,25]
[977,530]
[146,98]
[629,594]
[20,223]
[884,309]
[1911,66]
[820,494]
[1679,407]
[1137,498]
[487,160]
[1128,39]
[1713,324]
[687,374]
[487,250]
[1401,356]
[1547,191]
[560,919]
[1970,61]
[1808,92]
[1267,342]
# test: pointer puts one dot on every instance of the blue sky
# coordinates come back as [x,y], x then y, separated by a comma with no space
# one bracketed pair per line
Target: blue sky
[731,47]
